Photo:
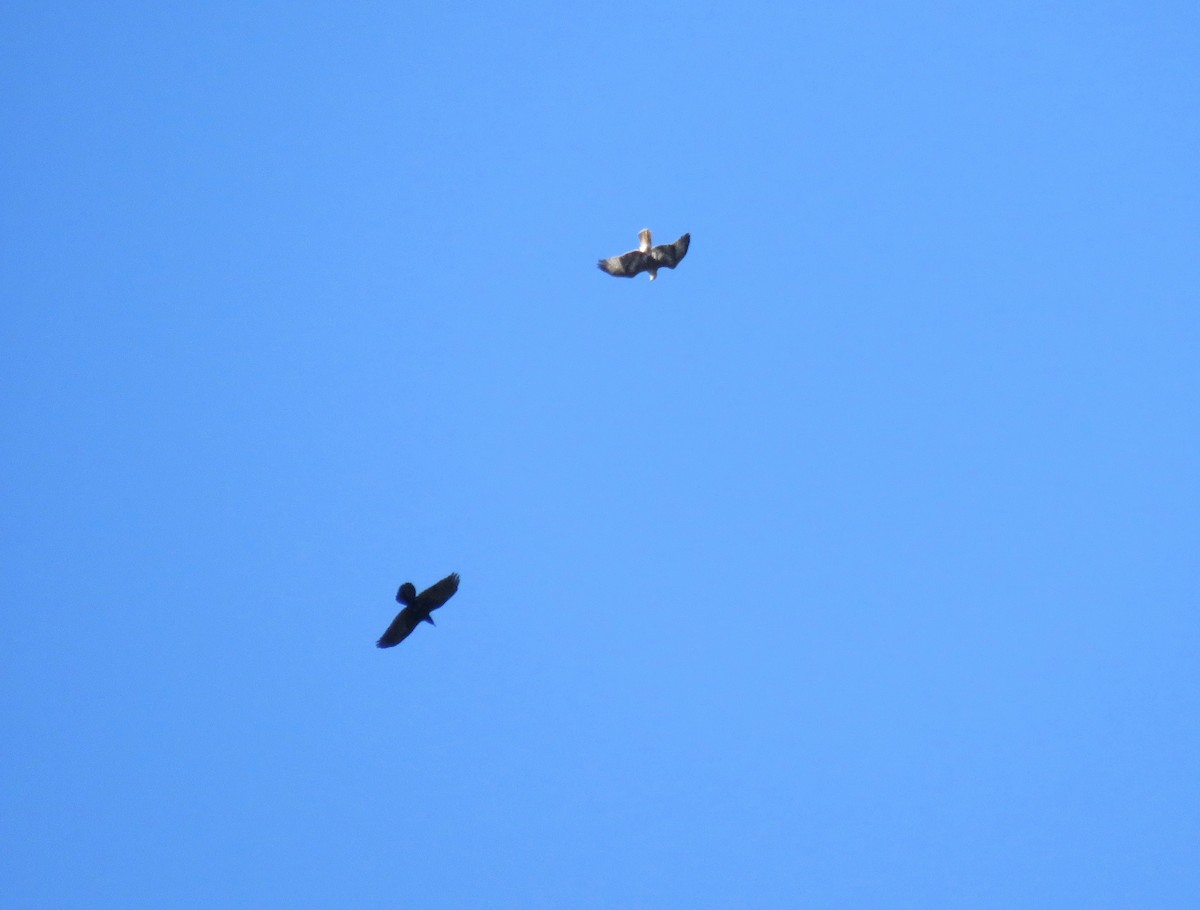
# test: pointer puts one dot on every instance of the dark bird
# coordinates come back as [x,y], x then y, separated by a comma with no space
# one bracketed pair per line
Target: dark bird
[417,608]
[647,258]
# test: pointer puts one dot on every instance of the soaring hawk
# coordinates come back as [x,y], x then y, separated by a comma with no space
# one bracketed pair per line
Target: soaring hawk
[417,608]
[647,258]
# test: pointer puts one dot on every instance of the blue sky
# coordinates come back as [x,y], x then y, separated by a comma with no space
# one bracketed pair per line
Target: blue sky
[852,563]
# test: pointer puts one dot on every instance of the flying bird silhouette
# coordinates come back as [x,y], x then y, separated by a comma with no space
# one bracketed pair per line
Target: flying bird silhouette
[417,608]
[646,258]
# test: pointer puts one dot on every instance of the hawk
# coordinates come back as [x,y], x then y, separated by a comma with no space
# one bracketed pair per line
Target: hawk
[647,258]
[417,608]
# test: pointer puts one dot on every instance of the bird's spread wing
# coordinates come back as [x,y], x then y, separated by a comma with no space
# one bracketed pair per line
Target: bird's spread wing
[669,254]
[627,264]
[406,620]
[436,595]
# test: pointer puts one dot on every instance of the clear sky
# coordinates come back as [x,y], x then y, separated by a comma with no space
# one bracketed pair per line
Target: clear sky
[854,563]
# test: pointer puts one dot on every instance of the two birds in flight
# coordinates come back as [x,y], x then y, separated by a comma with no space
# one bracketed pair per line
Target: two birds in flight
[418,607]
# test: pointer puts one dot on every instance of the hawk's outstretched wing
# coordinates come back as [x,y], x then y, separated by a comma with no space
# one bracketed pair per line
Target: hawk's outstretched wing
[436,595]
[669,254]
[406,620]
[627,264]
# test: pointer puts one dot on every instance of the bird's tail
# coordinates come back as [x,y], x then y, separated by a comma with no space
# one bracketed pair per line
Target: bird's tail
[644,236]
